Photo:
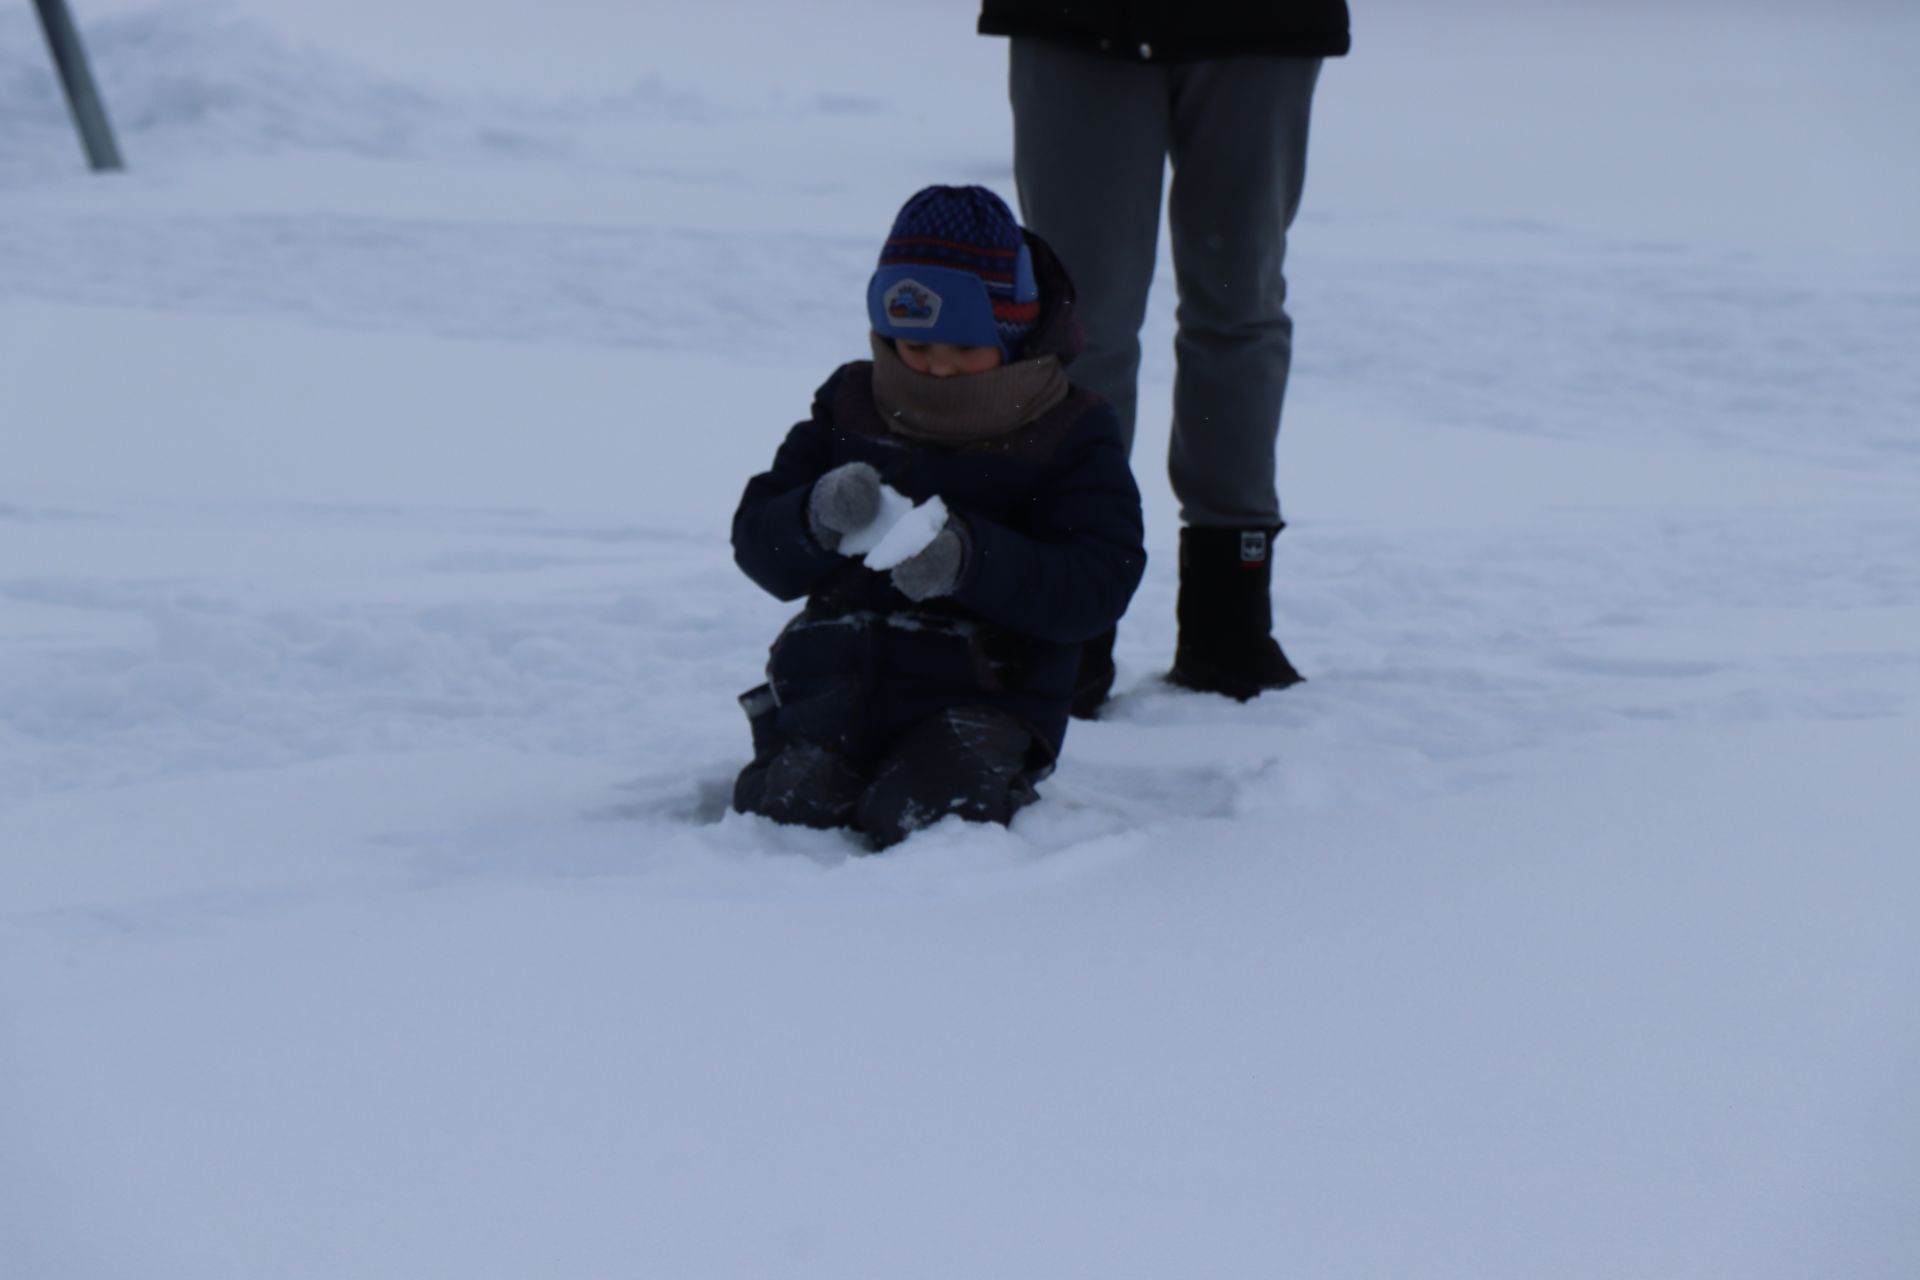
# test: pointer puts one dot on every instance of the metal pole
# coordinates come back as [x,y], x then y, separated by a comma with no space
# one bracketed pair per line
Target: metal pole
[89,116]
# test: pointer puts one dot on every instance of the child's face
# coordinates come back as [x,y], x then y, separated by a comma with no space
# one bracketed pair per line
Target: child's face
[944,360]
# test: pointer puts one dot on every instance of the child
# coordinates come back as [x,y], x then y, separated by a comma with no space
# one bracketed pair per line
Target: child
[940,685]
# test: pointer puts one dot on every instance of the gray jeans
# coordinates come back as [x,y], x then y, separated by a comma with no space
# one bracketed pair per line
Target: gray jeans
[1092,137]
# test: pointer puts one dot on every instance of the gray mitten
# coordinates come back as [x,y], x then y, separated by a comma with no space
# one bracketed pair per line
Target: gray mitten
[935,569]
[844,500]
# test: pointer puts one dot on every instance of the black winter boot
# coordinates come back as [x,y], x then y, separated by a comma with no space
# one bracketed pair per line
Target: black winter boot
[1225,611]
[974,761]
[803,784]
[1095,680]
[793,782]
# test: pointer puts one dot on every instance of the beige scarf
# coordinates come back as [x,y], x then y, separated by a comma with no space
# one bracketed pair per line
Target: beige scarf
[963,409]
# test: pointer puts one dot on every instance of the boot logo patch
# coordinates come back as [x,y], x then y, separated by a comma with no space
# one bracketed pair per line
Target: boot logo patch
[1253,548]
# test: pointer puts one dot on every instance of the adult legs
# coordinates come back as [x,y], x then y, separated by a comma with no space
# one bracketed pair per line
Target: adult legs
[1239,148]
[1239,162]
[1090,137]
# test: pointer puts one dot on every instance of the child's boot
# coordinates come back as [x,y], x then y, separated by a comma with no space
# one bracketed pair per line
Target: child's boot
[804,785]
[1225,611]
[793,782]
[1095,678]
[973,761]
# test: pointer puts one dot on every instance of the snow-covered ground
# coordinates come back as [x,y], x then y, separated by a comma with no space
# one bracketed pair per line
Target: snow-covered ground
[369,638]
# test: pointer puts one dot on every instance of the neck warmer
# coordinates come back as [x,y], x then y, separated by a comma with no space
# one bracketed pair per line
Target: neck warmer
[966,407]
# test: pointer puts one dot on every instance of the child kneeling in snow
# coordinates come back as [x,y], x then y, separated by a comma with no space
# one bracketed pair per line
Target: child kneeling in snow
[959,518]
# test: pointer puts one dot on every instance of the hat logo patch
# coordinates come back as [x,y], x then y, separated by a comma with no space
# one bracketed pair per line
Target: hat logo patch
[912,305]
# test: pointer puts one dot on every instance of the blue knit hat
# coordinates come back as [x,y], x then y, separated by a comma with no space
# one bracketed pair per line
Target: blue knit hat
[955,269]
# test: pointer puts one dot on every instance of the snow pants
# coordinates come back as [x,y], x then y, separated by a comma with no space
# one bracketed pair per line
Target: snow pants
[976,762]
[1092,138]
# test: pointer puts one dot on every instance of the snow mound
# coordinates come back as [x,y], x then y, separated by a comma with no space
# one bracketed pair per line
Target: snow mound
[221,78]
[203,79]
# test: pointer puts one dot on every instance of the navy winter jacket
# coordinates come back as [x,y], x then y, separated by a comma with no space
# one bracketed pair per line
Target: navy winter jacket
[1177,30]
[1054,523]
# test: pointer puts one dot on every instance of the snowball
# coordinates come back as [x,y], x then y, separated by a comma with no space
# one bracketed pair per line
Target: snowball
[910,534]
[893,505]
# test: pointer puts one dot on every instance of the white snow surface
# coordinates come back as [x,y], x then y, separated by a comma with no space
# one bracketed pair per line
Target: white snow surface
[369,637]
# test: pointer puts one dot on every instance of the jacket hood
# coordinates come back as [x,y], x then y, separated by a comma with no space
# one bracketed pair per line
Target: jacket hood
[1057,332]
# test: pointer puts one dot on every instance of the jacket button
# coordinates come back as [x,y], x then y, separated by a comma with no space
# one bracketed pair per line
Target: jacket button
[1106,45]
[1146,51]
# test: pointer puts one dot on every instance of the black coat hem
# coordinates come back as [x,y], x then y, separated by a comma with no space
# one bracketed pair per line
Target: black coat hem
[1329,44]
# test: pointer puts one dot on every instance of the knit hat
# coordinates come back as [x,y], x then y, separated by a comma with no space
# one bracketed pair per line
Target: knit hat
[955,269]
